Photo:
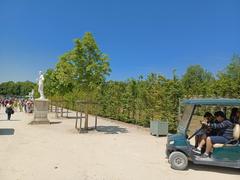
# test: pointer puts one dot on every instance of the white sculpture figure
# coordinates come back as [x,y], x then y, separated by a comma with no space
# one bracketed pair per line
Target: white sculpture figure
[40,85]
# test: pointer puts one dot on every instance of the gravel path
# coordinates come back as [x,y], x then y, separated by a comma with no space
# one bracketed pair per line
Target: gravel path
[117,151]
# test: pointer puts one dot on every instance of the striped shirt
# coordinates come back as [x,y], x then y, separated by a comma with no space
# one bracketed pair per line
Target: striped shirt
[225,127]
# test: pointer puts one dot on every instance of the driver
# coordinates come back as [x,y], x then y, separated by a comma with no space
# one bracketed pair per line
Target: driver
[203,132]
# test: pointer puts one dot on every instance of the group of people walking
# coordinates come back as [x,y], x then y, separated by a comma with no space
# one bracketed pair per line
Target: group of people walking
[14,104]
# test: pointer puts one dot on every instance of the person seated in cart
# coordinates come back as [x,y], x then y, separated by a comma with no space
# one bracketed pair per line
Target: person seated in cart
[204,132]
[225,128]
[235,116]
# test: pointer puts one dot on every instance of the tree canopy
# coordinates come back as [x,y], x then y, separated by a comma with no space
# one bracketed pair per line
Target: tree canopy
[11,88]
[81,70]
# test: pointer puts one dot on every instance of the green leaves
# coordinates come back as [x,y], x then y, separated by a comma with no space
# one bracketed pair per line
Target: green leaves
[16,88]
[83,69]
[228,81]
[196,81]
[91,65]
[141,100]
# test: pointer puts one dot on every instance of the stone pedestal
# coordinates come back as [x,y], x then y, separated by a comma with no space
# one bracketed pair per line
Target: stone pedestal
[40,112]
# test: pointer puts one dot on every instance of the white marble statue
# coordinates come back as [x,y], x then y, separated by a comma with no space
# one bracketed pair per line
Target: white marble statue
[40,85]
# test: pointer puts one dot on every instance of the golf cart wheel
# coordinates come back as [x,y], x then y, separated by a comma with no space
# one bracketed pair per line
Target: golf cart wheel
[178,160]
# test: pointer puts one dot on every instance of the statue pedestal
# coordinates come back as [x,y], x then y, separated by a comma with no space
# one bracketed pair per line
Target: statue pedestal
[40,112]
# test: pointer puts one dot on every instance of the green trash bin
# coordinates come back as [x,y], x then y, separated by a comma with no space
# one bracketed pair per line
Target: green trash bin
[158,127]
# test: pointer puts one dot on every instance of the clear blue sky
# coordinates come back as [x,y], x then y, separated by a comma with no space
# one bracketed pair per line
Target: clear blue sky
[139,36]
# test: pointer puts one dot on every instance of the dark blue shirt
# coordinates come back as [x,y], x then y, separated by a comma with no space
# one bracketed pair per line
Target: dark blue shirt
[225,127]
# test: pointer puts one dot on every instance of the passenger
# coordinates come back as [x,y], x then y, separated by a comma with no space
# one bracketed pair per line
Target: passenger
[226,128]
[204,132]
[238,119]
[235,116]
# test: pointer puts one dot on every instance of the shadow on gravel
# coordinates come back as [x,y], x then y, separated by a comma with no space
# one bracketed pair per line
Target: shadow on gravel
[111,129]
[10,120]
[56,122]
[70,117]
[220,170]
[7,131]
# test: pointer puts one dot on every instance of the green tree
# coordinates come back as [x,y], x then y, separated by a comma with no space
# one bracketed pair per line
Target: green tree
[228,82]
[82,70]
[196,81]
[50,83]
[11,88]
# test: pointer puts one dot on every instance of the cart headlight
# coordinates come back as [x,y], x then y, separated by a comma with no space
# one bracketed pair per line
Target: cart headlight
[171,142]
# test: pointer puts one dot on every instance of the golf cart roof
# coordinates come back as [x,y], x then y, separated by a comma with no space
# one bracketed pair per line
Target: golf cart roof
[211,101]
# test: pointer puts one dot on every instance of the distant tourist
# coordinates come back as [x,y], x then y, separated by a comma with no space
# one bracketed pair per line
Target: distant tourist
[20,105]
[9,110]
[1,103]
[29,104]
[25,106]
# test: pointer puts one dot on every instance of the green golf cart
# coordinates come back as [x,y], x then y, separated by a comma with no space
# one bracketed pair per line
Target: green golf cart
[179,146]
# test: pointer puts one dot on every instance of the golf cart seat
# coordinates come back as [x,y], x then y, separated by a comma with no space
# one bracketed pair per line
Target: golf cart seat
[236,137]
